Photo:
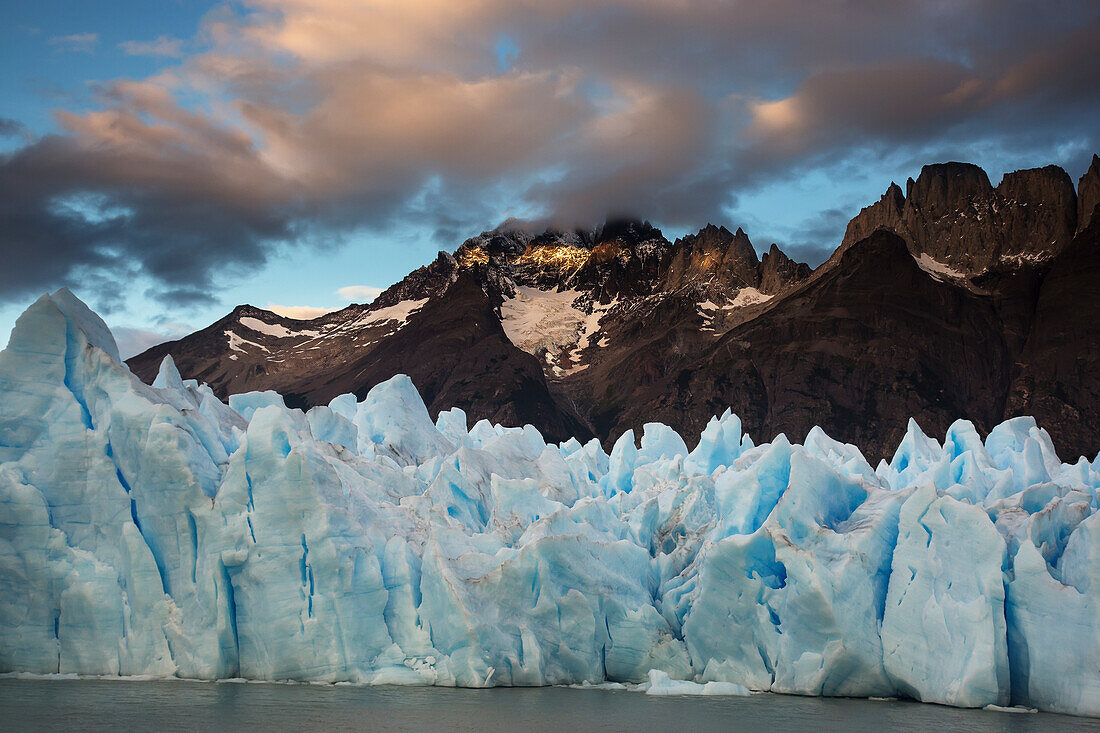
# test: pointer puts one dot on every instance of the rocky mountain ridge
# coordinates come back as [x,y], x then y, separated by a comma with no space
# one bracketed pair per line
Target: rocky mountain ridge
[929,308]
[953,214]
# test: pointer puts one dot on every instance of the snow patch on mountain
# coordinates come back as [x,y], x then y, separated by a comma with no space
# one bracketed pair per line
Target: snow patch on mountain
[749,296]
[274,329]
[710,311]
[938,270]
[236,342]
[537,320]
[589,327]
[549,321]
[396,314]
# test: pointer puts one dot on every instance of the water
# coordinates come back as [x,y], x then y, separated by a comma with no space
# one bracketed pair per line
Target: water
[90,705]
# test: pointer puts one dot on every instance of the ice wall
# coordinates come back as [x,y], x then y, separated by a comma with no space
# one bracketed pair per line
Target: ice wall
[159,531]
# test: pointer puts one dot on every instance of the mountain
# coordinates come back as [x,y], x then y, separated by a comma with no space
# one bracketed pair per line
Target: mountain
[501,328]
[845,353]
[1088,194]
[1057,376]
[953,215]
[943,301]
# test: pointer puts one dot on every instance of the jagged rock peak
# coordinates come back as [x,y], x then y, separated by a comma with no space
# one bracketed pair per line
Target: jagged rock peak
[1088,194]
[777,271]
[894,195]
[1038,212]
[244,310]
[423,282]
[510,238]
[1049,184]
[886,212]
[949,186]
[955,216]
[713,238]
[631,231]
[713,257]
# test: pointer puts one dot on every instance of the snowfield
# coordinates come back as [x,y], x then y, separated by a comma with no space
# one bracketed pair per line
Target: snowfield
[541,319]
[158,531]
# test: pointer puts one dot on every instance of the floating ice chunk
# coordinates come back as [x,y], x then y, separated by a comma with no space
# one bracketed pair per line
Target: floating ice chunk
[659,683]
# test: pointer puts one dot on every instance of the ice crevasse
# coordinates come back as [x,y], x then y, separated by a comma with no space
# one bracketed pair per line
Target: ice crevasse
[159,531]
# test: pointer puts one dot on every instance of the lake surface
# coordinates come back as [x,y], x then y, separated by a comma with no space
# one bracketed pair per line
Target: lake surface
[91,705]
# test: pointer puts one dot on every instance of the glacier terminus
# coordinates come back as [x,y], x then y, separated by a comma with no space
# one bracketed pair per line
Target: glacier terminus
[157,531]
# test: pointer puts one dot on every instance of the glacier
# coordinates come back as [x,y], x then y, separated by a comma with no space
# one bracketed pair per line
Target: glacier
[158,531]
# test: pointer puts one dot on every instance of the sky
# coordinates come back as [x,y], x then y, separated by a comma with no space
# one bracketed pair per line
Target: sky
[170,159]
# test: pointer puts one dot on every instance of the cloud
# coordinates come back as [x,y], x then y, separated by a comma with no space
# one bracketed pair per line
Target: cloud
[359,293]
[82,42]
[162,46]
[296,122]
[814,239]
[299,312]
[133,341]
[14,128]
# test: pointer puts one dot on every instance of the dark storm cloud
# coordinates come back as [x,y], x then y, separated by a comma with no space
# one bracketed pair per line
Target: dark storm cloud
[66,207]
[13,128]
[300,120]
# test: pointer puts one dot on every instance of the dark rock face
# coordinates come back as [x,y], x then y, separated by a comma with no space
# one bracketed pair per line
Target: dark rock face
[884,213]
[442,324]
[232,356]
[953,214]
[778,271]
[627,260]
[1058,377]
[1038,211]
[714,259]
[482,371]
[717,263]
[453,347]
[1088,194]
[428,281]
[861,348]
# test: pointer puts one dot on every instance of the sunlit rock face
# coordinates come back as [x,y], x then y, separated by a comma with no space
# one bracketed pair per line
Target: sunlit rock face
[155,530]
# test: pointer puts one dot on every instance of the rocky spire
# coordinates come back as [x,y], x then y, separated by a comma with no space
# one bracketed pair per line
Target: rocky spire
[1088,194]
[713,257]
[886,212]
[777,271]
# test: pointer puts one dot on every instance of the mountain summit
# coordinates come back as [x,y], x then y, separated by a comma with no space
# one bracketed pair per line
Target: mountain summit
[942,300]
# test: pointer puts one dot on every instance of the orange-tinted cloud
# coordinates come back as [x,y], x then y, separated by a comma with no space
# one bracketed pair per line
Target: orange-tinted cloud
[296,120]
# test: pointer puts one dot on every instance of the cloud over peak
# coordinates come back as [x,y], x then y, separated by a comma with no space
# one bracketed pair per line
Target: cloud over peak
[293,122]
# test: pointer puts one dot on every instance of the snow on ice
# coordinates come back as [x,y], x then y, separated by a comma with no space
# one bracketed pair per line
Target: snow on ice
[159,531]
